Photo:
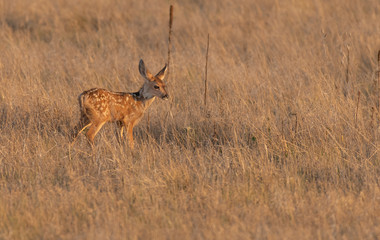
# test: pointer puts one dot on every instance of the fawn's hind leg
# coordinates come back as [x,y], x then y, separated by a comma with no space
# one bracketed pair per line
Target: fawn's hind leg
[94,129]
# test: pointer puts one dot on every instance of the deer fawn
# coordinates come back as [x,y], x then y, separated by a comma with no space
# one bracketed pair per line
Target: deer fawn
[99,106]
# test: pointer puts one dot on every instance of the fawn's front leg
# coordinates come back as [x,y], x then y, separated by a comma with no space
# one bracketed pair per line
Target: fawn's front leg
[129,127]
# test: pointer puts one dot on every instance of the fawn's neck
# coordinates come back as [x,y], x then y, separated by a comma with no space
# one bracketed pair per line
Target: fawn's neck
[143,98]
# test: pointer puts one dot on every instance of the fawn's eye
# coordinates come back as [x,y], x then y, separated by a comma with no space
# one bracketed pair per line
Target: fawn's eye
[156,87]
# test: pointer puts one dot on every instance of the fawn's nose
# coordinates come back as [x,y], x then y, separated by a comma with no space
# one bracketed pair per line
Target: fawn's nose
[165,97]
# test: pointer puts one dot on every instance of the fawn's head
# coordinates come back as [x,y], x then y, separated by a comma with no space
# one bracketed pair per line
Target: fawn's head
[154,85]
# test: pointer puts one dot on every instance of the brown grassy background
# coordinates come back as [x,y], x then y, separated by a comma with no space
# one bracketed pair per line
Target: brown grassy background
[289,149]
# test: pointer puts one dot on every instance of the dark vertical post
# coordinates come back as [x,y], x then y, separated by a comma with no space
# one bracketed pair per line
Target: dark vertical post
[205,96]
[170,36]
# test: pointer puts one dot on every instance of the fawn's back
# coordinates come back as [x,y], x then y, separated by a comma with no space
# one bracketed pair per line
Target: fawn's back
[101,105]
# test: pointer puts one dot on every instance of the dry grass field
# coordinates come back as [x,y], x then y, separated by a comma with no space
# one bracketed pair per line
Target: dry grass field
[287,146]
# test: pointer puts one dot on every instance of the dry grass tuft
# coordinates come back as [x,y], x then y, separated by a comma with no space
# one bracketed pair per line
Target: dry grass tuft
[290,149]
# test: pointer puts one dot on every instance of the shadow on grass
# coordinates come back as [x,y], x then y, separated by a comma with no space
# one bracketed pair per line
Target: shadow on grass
[40,120]
[199,134]
[49,120]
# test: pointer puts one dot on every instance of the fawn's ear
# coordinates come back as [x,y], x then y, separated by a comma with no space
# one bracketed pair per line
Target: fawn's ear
[145,72]
[161,74]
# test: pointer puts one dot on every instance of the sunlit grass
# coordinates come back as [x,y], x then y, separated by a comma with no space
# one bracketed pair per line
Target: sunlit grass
[284,149]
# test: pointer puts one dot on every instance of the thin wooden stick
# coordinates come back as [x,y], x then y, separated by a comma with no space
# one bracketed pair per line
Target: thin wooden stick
[205,95]
[357,109]
[169,48]
[170,37]
[348,64]
[372,115]
[378,80]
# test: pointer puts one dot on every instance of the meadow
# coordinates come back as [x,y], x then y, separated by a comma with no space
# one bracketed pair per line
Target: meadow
[287,146]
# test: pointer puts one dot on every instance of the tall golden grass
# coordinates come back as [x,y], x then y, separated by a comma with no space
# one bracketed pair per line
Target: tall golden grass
[289,150]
